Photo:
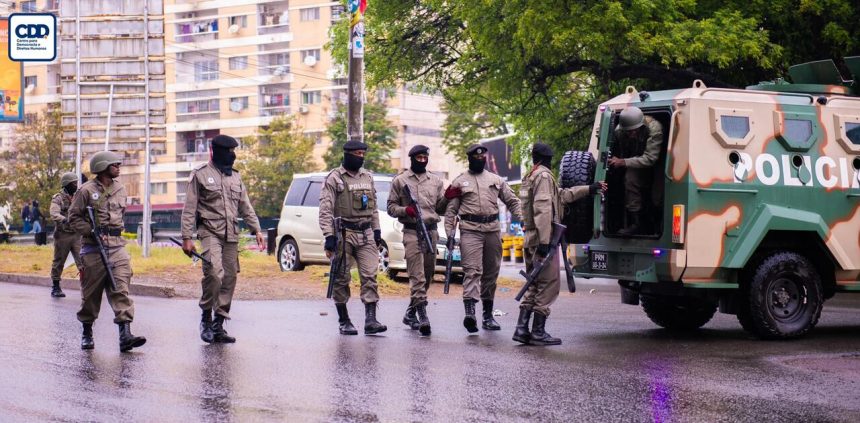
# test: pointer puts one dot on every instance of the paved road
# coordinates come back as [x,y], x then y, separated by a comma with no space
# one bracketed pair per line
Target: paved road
[289,364]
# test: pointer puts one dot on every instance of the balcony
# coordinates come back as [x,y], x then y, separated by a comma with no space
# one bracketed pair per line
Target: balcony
[273,18]
[197,31]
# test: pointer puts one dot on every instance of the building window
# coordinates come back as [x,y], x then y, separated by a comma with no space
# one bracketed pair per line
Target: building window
[316,136]
[30,80]
[238,104]
[311,97]
[315,53]
[240,21]
[310,14]
[336,12]
[735,126]
[28,7]
[206,71]
[199,106]
[239,63]
[158,188]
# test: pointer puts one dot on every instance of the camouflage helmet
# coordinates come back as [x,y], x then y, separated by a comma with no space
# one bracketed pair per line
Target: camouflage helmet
[68,178]
[101,160]
[631,118]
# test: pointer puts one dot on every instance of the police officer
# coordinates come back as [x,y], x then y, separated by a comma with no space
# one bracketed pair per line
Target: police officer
[474,197]
[349,193]
[541,199]
[420,259]
[639,138]
[65,238]
[106,195]
[215,200]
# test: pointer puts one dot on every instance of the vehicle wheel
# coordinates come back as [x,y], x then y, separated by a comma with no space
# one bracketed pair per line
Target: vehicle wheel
[383,257]
[678,313]
[288,256]
[783,299]
[577,168]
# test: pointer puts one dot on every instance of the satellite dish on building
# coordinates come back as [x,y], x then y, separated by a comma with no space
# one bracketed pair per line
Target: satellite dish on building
[236,106]
[233,29]
[310,60]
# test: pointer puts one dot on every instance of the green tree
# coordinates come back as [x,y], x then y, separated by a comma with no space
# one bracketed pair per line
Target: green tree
[269,161]
[379,136]
[32,168]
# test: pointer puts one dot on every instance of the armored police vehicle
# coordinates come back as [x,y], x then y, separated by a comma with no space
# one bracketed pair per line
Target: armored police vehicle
[752,208]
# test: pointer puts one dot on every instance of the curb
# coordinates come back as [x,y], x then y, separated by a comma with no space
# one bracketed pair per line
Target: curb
[74,284]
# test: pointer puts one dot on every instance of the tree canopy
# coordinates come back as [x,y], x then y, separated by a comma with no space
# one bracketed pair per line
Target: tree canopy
[541,66]
[379,136]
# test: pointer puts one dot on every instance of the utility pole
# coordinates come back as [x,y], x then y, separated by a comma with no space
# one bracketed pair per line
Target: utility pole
[355,78]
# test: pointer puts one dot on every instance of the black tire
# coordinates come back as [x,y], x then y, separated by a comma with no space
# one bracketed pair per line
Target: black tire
[288,256]
[678,313]
[783,299]
[391,273]
[577,168]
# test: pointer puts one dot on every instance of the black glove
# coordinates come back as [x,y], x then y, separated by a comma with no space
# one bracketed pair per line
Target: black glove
[593,188]
[542,250]
[330,243]
[377,236]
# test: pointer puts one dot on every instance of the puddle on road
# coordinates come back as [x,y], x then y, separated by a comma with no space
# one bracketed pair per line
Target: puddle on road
[846,366]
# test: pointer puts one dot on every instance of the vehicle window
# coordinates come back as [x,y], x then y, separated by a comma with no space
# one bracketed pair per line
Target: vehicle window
[382,189]
[735,126]
[797,130]
[296,192]
[853,131]
[312,198]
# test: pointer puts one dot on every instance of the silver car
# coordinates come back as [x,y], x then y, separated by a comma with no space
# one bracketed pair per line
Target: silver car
[300,240]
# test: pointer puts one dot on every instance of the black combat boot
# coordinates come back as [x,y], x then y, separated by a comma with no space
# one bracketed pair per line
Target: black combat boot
[127,341]
[469,320]
[206,333]
[489,322]
[87,337]
[423,321]
[346,327]
[539,335]
[56,291]
[632,225]
[409,318]
[371,325]
[522,334]
[219,333]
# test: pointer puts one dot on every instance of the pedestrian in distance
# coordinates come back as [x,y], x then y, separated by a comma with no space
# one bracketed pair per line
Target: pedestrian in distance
[36,216]
[107,197]
[473,196]
[215,200]
[25,218]
[542,207]
[349,194]
[66,240]
[429,202]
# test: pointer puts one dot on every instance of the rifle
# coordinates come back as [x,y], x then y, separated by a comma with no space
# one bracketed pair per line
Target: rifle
[571,284]
[449,260]
[556,239]
[193,253]
[96,233]
[423,234]
[336,261]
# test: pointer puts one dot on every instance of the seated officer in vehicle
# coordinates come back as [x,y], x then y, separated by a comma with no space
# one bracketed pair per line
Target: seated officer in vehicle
[638,137]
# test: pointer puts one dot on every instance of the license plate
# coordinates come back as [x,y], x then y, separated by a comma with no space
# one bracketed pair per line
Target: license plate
[599,261]
[456,254]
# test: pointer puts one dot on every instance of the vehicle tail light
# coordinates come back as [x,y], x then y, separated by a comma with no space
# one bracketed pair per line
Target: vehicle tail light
[678,223]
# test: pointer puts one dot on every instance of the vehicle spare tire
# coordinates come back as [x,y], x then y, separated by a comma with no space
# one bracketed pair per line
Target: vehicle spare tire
[577,168]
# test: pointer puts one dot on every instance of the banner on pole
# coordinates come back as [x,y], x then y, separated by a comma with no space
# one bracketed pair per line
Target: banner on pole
[11,81]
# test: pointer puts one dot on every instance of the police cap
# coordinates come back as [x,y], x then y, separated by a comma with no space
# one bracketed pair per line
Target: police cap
[418,149]
[354,145]
[541,149]
[476,149]
[224,141]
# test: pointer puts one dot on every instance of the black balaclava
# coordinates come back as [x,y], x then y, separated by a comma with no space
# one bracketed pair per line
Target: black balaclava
[475,165]
[71,188]
[539,159]
[351,162]
[417,167]
[223,159]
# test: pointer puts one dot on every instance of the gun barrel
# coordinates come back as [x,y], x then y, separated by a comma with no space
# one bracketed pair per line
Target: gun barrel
[193,253]
[102,252]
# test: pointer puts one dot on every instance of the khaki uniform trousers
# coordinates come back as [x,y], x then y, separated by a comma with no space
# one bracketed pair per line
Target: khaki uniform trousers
[65,242]
[219,278]
[635,180]
[420,266]
[94,281]
[481,254]
[361,248]
[544,291]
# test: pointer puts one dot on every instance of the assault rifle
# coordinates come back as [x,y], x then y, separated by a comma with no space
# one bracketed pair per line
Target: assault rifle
[193,253]
[421,228]
[555,240]
[97,234]
[336,259]
[449,259]
[571,284]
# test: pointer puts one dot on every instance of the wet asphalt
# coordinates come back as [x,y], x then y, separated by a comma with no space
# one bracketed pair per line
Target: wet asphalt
[291,365]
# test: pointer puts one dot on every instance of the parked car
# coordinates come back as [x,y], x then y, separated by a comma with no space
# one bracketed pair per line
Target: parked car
[300,240]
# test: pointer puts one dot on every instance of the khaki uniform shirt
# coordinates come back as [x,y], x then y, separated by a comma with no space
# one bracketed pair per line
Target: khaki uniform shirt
[427,187]
[542,206]
[59,211]
[481,193]
[108,205]
[349,196]
[219,201]
[652,144]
